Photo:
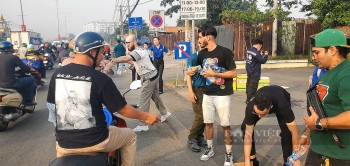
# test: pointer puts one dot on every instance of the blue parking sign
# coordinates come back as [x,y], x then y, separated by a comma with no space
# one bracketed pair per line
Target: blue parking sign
[182,50]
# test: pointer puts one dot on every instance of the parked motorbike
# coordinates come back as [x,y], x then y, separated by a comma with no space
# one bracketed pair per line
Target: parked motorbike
[11,107]
[108,159]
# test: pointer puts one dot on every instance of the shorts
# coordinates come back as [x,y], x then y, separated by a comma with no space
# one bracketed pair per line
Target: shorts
[221,104]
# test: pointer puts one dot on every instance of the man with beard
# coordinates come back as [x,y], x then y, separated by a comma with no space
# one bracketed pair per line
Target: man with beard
[149,76]
[218,90]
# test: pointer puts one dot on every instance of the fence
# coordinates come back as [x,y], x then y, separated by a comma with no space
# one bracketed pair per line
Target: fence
[293,37]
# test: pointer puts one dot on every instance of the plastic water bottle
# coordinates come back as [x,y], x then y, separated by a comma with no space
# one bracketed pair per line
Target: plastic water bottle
[297,154]
[120,68]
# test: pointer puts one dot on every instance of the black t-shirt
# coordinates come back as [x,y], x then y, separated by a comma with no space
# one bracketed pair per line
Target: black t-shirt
[78,93]
[281,105]
[8,66]
[220,57]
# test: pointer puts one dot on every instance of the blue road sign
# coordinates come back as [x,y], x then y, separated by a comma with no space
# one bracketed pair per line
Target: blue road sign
[182,50]
[135,22]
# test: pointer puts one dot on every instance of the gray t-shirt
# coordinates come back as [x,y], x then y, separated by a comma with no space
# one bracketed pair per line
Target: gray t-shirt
[143,64]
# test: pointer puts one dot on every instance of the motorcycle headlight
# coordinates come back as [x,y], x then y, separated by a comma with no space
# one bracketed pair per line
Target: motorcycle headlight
[47,54]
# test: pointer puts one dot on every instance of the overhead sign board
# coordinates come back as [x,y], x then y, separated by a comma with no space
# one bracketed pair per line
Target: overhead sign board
[156,18]
[193,9]
[135,22]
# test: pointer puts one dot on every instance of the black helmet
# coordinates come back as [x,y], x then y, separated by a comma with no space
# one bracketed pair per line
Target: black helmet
[87,41]
[6,46]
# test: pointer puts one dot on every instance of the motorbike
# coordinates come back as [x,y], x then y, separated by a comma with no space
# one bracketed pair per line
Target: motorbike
[11,107]
[108,159]
[35,64]
[48,60]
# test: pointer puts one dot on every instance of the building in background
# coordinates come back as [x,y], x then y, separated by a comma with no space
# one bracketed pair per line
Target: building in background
[4,29]
[28,37]
[99,27]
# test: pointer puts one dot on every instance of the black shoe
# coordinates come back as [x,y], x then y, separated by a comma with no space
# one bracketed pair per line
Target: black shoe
[202,142]
[160,92]
[29,104]
[192,144]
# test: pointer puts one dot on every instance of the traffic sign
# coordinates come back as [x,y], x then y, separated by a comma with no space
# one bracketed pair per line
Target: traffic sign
[193,9]
[156,18]
[182,50]
[135,22]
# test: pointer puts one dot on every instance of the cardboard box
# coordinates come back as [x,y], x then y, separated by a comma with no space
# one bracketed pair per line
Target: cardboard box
[234,84]
[242,81]
[264,81]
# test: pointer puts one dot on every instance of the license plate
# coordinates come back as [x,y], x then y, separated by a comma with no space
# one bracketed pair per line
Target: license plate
[45,61]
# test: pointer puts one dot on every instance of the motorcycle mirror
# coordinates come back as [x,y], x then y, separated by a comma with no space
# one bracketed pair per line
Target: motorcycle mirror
[136,85]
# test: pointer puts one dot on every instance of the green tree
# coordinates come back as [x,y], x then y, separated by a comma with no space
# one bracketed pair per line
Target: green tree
[331,13]
[214,9]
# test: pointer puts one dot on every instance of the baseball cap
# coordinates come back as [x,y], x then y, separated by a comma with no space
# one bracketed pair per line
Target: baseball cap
[330,37]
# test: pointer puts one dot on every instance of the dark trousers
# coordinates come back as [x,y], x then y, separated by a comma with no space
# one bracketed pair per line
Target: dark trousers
[286,136]
[315,159]
[27,88]
[159,65]
[252,85]
[134,75]
[198,125]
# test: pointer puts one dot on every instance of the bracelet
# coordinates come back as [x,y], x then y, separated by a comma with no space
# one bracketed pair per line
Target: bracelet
[304,136]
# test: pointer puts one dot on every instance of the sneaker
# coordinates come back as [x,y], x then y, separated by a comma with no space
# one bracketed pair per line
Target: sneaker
[209,152]
[228,159]
[141,128]
[164,117]
[192,144]
[43,80]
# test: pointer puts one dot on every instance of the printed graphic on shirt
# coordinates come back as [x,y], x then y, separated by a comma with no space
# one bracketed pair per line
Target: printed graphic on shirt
[73,104]
[322,91]
[249,56]
[212,63]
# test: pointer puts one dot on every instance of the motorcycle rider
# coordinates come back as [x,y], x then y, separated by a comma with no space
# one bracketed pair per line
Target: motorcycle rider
[25,86]
[63,53]
[42,70]
[76,94]
[23,51]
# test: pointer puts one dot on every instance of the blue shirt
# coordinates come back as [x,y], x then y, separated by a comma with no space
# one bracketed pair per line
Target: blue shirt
[197,79]
[119,50]
[158,52]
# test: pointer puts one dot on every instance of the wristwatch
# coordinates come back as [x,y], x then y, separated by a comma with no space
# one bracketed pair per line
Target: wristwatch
[318,124]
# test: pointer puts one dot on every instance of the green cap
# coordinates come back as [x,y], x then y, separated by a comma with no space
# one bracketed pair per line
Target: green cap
[330,37]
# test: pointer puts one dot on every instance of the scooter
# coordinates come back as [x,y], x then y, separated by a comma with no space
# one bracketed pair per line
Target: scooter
[48,61]
[11,107]
[35,64]
[101,159]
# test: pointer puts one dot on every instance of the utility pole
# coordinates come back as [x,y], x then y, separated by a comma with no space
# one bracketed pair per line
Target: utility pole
[23,25]
[130,30]
[121,22]
[58,22]
[65,23]
[274,29]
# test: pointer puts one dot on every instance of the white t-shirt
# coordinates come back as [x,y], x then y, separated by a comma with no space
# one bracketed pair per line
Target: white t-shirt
[143,64]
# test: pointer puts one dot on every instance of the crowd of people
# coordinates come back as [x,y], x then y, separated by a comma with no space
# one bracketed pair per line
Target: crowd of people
[77,93]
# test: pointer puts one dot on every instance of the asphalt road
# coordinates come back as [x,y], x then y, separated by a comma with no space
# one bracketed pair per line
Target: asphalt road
[29,141]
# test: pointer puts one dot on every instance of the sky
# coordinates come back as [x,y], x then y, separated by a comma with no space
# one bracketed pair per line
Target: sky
[41,15]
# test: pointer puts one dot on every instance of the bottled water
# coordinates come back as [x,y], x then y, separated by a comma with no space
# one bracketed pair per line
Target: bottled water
[120,68]
[297,154]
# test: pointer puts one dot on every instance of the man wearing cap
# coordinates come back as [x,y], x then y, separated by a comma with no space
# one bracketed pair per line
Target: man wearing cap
[329,49]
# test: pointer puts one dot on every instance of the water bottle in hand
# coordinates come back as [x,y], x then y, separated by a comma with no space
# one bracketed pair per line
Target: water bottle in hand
[297,154]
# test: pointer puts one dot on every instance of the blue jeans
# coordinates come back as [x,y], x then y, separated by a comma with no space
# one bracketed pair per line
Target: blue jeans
[27,88]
